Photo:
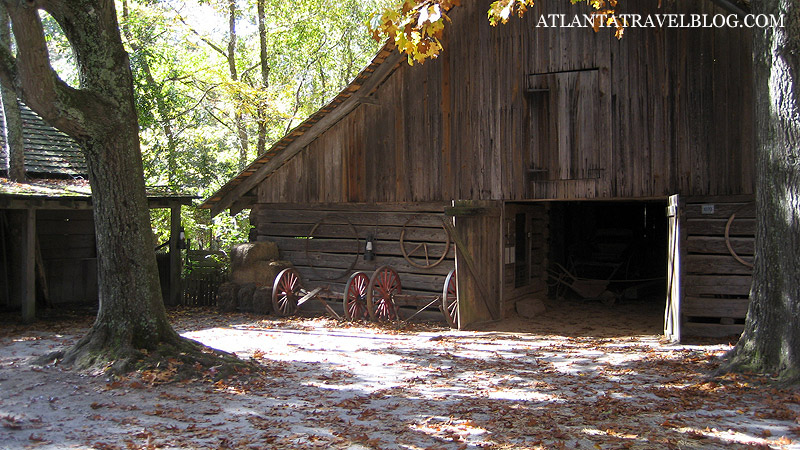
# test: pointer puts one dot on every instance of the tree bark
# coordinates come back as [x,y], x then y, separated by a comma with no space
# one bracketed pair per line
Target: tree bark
[261,143]
[101,117]
[15,144]
[241,128]
[771,339]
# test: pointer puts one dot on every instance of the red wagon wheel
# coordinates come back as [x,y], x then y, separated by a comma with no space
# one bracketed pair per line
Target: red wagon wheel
[355,297]
[450,300]
[286,291]
[383,286]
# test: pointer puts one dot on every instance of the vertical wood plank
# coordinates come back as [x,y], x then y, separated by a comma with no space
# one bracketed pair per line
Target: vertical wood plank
[29,270]
[174,256]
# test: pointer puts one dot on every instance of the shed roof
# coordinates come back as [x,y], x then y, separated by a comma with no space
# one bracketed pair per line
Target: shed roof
[48,151]
[357,92]
[72,193]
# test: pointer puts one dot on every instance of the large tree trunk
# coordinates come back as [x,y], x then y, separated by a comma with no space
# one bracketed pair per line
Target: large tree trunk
[101,116]
[771,339]
[15,144]
[131,314]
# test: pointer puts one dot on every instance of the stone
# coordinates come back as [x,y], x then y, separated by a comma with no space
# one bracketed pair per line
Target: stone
[245,297]
[262,300]
[227,299]
[530,308]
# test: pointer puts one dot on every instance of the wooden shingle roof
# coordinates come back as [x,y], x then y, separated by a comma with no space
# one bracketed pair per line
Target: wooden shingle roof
[48,151]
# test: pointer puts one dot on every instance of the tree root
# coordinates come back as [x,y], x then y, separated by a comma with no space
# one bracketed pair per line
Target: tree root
[743,359]
[172,359]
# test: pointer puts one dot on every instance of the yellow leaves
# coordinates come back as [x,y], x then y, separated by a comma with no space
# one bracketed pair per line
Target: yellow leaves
[415,26]
[501,10]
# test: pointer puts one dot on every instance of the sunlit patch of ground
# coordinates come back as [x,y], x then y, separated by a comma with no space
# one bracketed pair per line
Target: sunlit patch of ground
[582,376]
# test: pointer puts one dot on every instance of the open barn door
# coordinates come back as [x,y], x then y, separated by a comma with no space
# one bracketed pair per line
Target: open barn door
[476,231]
[672,315]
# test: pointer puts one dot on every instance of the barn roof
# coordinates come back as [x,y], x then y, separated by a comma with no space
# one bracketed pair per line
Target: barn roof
[48,151]
[234,194]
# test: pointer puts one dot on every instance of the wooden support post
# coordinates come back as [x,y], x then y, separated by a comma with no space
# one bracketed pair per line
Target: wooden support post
[174,256]
[29,267]
[465,256]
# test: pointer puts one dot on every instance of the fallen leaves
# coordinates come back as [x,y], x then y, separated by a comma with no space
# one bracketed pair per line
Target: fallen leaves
[328,385]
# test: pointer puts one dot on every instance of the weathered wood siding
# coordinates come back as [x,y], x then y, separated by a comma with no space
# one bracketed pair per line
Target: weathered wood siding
[69,253]
[525,112]
[716,285]
[338,244]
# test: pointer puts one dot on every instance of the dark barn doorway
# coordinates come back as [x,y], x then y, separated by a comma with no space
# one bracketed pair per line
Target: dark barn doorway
[611,256]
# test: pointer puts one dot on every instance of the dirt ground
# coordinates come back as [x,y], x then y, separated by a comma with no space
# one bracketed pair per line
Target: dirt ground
[582,376]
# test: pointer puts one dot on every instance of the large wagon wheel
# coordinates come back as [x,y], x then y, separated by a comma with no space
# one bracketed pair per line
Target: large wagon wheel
[383,285]
[355,297]
[421,249]
[351,234]
[450,300]
[286,291]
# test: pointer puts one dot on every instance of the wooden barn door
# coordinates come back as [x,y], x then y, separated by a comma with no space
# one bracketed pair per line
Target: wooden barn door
[672,314]
[477,233]
[570,149]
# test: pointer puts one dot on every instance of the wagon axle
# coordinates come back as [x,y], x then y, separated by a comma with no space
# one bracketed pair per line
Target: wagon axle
[364,297]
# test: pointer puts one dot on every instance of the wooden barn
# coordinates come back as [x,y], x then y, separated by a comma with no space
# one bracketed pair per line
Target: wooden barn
[566,162]
[48,253]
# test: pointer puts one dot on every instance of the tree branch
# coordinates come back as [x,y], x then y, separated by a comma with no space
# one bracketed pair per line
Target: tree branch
[38,83]
[214,46]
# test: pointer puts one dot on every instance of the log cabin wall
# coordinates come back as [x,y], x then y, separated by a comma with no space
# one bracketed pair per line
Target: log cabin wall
[524,112]
[339,233]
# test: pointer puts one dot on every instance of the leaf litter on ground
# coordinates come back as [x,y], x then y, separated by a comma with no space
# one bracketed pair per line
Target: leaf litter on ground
[565,381]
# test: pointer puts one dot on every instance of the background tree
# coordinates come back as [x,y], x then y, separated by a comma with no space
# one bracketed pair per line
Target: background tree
[770,342]
[290,59]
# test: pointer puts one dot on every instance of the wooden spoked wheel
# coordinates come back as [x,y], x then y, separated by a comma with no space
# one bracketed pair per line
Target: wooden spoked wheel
[286,290]
[383,286]
[355,297]
[450,300]
[332,229]
[422,249]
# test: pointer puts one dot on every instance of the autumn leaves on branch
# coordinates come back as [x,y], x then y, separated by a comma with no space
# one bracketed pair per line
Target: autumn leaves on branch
[416,26]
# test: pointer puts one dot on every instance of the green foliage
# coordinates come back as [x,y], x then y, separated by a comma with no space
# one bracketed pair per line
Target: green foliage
[187,100]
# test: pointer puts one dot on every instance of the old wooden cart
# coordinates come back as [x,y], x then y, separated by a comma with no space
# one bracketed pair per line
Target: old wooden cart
[372,297]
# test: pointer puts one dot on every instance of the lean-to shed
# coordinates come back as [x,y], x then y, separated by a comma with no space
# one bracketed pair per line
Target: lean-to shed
[550,150]
[48,253]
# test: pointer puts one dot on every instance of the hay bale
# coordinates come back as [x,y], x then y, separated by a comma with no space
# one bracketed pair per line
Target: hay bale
[260,272]
[245,297]
[262,300]
[245,255]
[227,300]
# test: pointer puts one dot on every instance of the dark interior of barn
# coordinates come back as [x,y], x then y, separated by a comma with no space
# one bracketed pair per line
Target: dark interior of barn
[614,253]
